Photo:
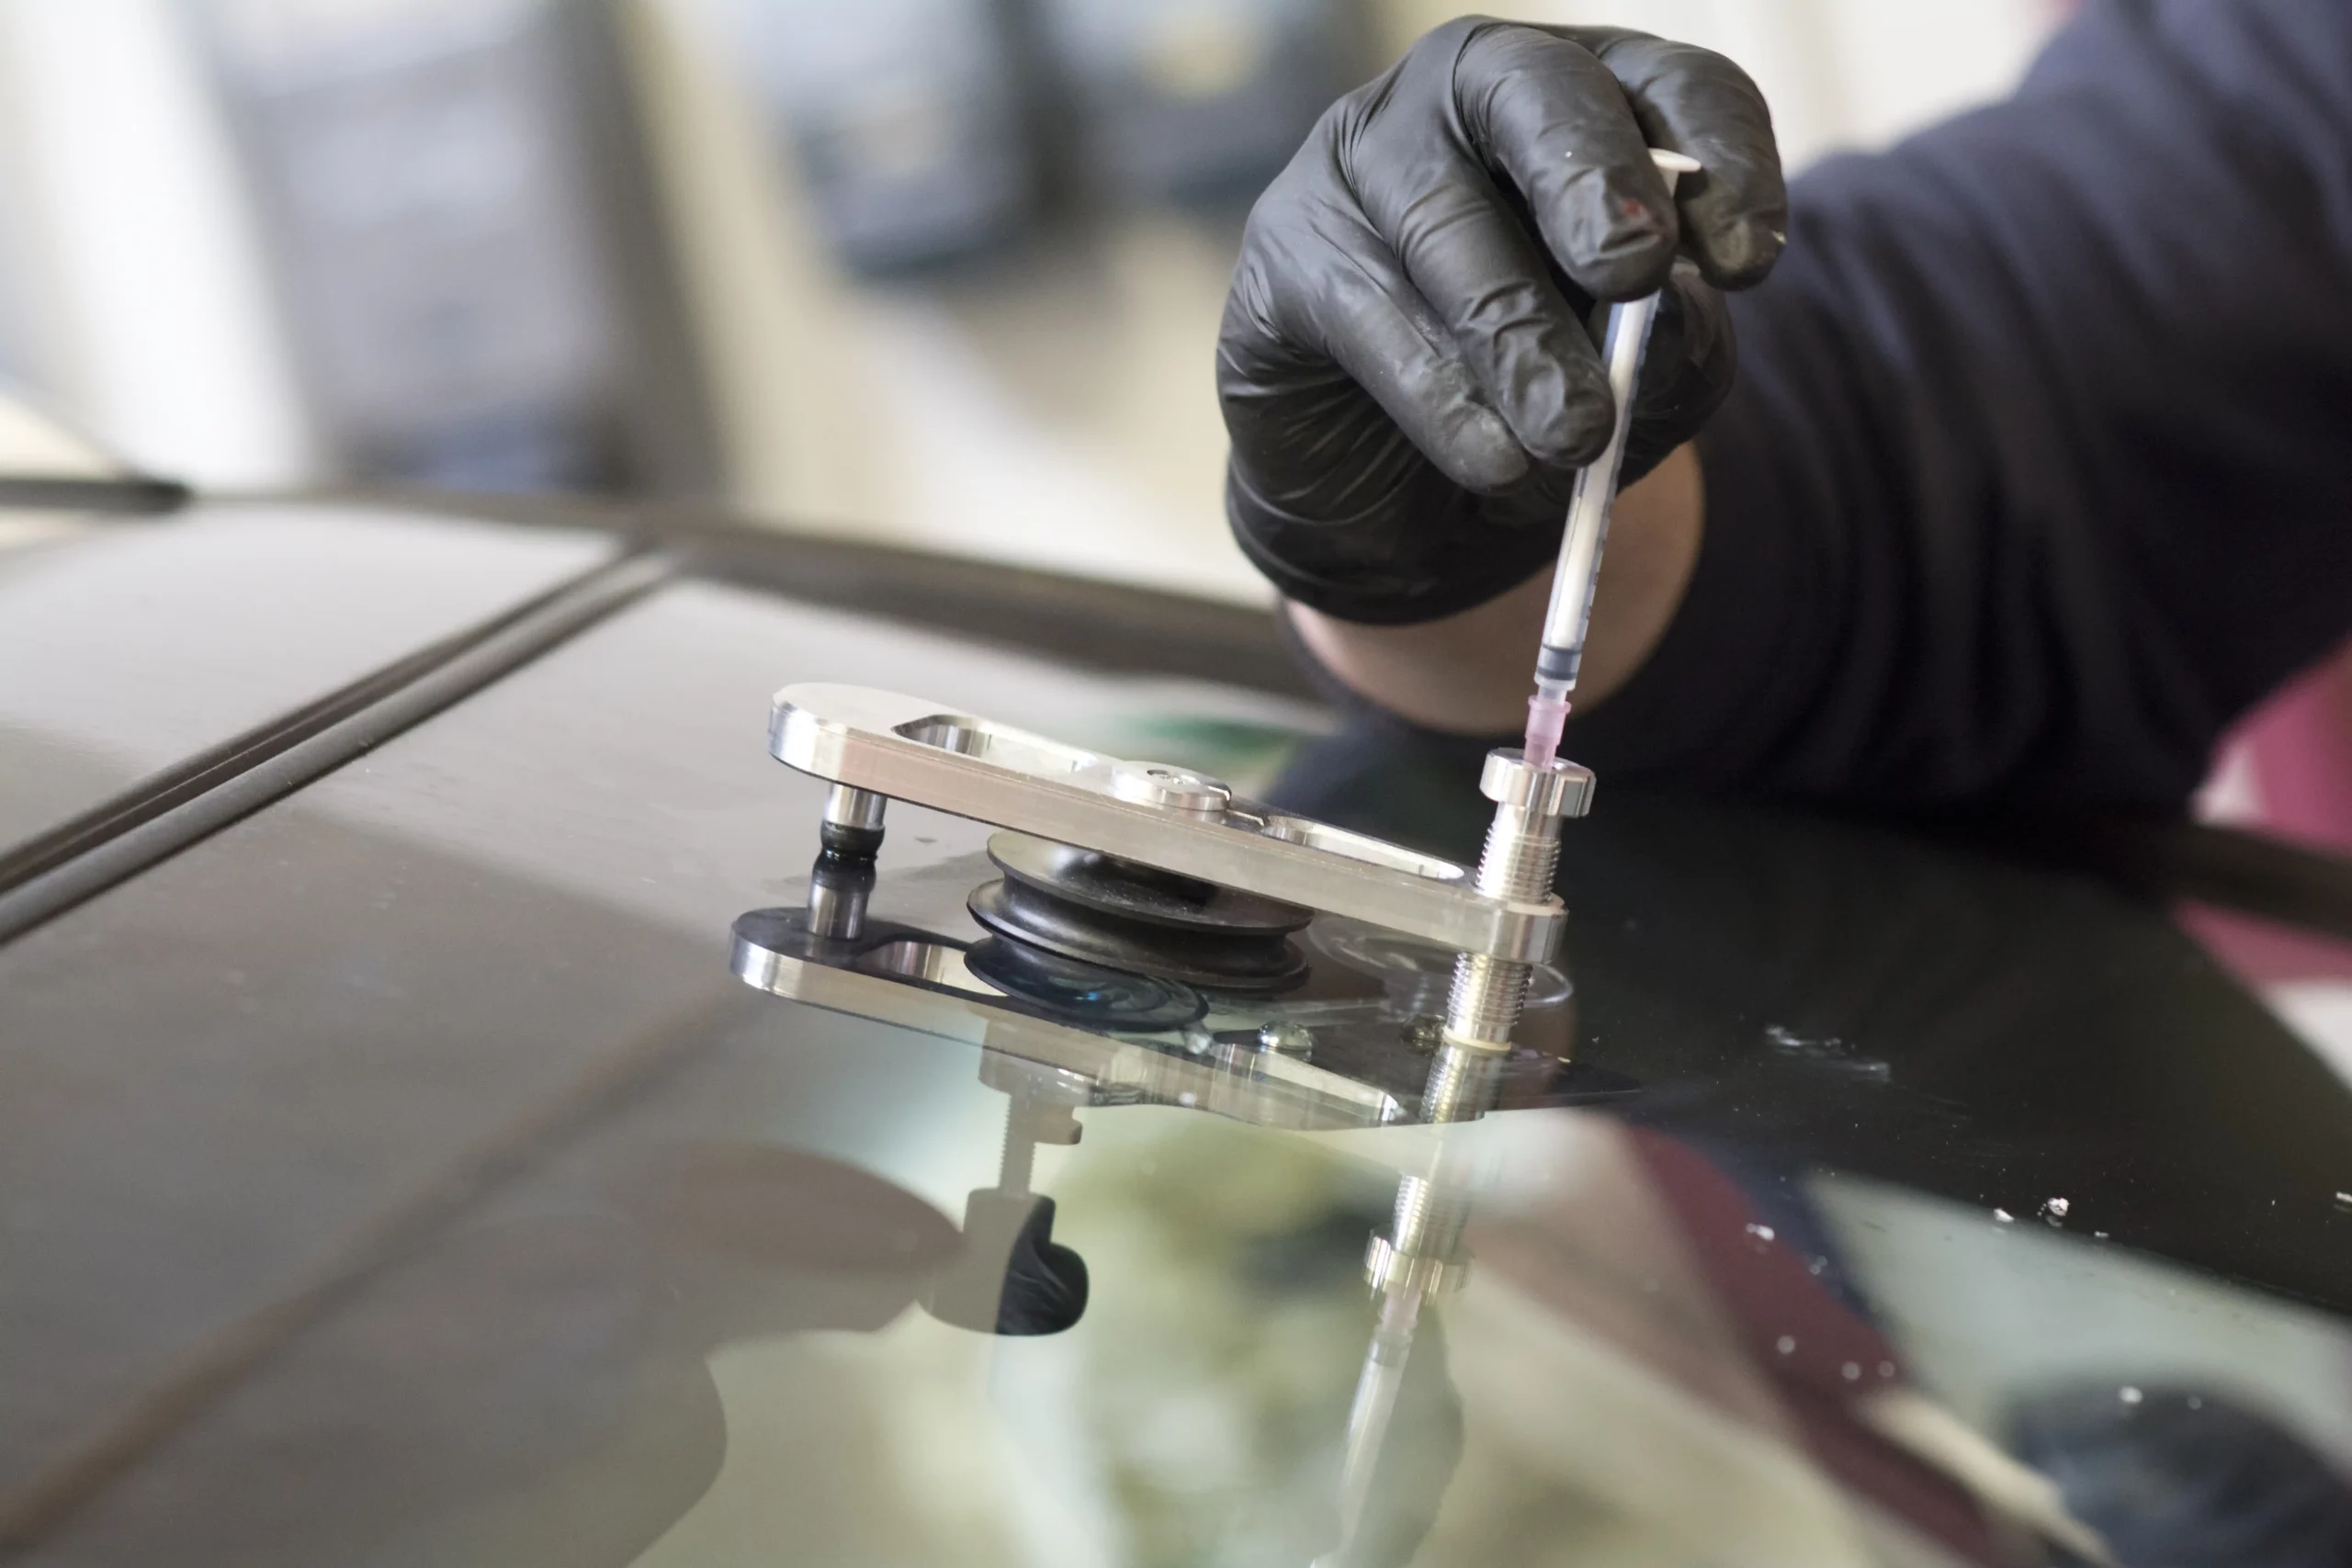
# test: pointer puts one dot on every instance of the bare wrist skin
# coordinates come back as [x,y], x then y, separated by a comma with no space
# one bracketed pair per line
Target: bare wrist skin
[1471,673]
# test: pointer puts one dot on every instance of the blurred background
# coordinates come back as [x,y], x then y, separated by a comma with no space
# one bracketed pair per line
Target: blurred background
[932,272]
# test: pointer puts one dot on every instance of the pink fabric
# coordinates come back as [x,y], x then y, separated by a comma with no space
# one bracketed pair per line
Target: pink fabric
[2262,953]
[2298,749]
[2287,771]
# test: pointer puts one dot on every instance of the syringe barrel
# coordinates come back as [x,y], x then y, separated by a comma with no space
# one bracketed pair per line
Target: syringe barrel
[1570,613]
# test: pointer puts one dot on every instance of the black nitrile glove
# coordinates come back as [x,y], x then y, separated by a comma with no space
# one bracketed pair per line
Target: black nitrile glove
[1409,363]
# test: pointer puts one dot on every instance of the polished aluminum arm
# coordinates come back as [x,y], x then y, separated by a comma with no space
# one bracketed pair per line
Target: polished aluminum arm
[1170,817]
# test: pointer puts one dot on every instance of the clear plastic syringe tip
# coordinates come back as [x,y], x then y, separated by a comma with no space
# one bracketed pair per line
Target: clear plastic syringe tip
[1547,719]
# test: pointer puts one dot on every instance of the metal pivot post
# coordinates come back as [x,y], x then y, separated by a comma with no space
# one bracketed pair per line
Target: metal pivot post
[853,823]
[843,878]
[1523,853]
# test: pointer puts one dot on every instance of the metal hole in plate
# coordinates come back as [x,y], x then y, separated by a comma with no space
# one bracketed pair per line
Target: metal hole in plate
[1015,749]
[1357,847]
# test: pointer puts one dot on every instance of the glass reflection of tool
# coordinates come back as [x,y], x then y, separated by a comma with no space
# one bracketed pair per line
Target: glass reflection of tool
[1570,613]
[1419,1257]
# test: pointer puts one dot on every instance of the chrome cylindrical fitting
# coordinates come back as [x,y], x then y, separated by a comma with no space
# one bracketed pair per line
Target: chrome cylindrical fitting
[1462,1085]
[1483,1009]
[1521,858]
[838,891]
[857,808]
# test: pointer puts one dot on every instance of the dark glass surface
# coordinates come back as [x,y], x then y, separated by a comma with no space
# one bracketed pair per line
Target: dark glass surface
[130,647]
[400,1177]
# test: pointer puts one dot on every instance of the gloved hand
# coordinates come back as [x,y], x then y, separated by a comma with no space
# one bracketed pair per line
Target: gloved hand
[1409,363]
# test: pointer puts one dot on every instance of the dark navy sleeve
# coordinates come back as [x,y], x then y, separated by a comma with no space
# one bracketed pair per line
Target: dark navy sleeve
[2039,470]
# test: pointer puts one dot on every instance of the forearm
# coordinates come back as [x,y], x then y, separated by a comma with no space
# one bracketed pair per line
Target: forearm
[1471,673]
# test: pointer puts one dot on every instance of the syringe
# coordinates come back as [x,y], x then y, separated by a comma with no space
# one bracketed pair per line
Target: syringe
[1570,615]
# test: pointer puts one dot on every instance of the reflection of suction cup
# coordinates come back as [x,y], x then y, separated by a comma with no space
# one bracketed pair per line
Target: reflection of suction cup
[1082,993]
[1101,910]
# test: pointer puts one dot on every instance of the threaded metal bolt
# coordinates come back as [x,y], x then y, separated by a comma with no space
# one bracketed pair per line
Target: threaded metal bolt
[1488,997]
[1461,1084]
[1521,858]
[1429,1218]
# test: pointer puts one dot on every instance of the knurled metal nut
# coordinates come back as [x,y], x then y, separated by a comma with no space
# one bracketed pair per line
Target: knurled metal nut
[1385,1268]
[1564,789]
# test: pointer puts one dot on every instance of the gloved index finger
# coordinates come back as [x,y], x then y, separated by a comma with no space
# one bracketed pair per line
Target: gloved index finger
[1734,217]
[1545,113]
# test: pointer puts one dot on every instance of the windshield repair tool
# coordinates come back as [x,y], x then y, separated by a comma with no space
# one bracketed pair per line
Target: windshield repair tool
[1570,613]
[1154,909]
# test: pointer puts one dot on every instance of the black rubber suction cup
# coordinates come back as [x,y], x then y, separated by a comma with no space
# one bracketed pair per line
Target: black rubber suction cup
[1098,909]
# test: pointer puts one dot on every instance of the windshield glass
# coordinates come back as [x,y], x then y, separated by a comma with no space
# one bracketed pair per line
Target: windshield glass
[1957,1210]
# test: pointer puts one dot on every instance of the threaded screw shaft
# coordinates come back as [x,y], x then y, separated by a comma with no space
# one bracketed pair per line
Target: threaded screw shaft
[1485,1002]
[1429,1218]
[1521,858]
